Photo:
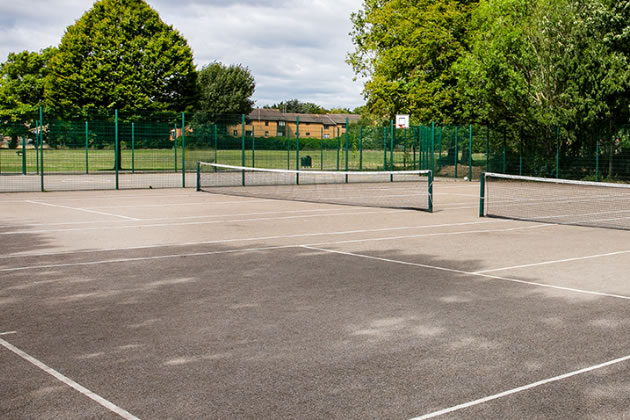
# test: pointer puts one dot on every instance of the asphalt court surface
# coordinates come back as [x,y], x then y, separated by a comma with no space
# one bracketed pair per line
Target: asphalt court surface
[178,304]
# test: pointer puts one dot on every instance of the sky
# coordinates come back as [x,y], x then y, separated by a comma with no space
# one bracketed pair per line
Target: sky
[295,49]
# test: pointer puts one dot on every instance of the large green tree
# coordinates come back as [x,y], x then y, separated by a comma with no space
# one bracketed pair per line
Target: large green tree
[405,50]
[121,55]
[226,89]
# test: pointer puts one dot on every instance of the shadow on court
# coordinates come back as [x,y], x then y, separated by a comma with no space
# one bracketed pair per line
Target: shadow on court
[292,332]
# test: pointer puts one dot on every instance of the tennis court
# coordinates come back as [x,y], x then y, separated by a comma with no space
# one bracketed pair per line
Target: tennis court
[182,304]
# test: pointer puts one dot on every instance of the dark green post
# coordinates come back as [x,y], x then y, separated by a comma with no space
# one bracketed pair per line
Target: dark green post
[86,147]
[347,147]
[482,193]
[117,147]
[557,152]
[23,155]
[440,147]
[470,152]
[456,149]
[297,149]
[432,151]
[405,148]
[338,146]
[41,148]
[391,145]
[175,147]
[243,149]
[253,147]
[37,146]
[216,144]
[384,148]
[133,148]
[198,176]
[183,150]
[430,192]
[286,127]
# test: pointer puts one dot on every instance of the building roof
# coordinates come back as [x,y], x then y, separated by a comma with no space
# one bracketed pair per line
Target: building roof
[261,114]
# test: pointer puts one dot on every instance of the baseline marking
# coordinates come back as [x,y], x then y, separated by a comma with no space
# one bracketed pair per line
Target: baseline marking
[587,257]
[520,389]
[8,333]
[80,209]
[83,390]
[452,270]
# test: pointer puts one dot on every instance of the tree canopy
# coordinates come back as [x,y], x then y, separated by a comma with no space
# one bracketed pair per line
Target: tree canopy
[120,54]
[225,89]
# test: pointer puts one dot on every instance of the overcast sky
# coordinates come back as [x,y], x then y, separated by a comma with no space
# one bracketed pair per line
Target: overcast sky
[294,48]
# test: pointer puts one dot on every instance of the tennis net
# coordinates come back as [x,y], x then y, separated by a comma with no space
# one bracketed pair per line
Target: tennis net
[560,201]
[389,189]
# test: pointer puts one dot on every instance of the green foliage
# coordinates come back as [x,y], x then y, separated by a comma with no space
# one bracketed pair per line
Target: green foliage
[406,50]
[225,89]
[120,55]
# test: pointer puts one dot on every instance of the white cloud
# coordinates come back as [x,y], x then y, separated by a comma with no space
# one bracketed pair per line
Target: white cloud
[294,49]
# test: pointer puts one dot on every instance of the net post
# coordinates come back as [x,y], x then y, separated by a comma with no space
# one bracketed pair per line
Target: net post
[482,194]
[41,148]
[470,153]
[297,149]
[430,204]
[347,141]
[117,147]
[243,148]
[87,170]
[198,176]
[183,150]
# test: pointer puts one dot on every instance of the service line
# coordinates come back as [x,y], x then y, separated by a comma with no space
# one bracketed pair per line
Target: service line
[80,209]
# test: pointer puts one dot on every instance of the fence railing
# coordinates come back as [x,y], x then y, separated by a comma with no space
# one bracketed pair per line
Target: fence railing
[112,150]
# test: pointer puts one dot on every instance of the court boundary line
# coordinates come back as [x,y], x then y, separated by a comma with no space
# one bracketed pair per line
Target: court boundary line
[8,332]
[521,388]
[81,209]
[453,270]
[72,384]
[585,257]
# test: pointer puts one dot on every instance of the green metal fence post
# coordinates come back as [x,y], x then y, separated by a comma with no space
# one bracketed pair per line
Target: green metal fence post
[37,147]
[470,152]
[391,145]
[133,148]
[175,146]
[347,147]
[384,148]
[430,192]
[117,147]
[338,146]
[41,148]
[504,150]
[487,148]
[297,149]
[183,150]
[216,144]
[432,150]
[87,170]
[520,160]
[440,147]
[253,148]
[23,155]
[243,149]
[198,176]
[456,150]
[286,128]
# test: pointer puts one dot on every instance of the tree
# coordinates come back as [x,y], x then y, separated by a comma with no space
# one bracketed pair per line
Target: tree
[226,89]
[22,79]
[120,55]
[295,106]
[406,50]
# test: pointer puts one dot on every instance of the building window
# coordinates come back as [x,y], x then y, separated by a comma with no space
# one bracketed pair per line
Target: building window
[308,134]
[266,123]
[280,134]
[281,123]
[248,133]
[266,133]
[235,133]
[326,136]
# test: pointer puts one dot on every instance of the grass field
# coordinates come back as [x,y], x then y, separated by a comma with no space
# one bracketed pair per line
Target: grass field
[74,160]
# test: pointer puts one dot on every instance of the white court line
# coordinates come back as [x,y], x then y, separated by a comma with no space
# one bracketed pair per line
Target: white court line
[80,209]
[452,270]
[299,235]
[8,333]
[586,257]
[156,225]
[83,390]
[520,389]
